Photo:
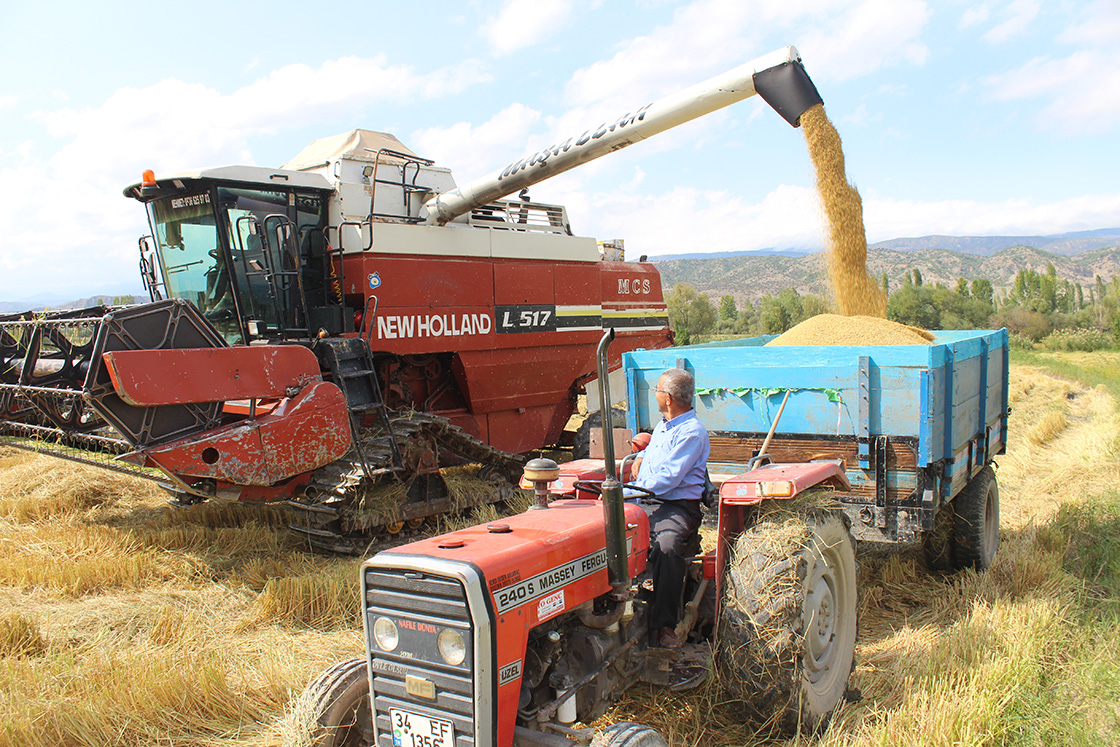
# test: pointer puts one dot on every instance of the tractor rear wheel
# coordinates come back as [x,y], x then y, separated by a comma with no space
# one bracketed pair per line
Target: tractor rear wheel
[788,618]
[976,522]
[336,705]
[628,734]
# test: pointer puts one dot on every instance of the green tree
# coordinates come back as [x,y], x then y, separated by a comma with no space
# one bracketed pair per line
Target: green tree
[962,287]
[982,290]
[727,310]
[691,313]
[917,277]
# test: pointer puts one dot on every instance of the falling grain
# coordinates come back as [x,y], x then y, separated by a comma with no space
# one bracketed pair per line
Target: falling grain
[856,291]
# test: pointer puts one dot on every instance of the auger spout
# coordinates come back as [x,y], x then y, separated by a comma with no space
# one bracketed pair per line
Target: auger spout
[778,77]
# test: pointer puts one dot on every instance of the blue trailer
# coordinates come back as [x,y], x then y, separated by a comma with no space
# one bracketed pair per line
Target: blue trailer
[915,426]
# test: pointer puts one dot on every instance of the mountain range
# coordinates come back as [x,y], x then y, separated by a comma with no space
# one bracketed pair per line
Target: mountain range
[751,277]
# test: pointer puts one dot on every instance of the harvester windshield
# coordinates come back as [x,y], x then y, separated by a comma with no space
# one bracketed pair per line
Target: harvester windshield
[235,252]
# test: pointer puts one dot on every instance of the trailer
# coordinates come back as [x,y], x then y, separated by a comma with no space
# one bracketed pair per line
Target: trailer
[916,427]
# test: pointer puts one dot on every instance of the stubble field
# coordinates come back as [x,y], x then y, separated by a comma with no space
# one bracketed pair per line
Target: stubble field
[125,622]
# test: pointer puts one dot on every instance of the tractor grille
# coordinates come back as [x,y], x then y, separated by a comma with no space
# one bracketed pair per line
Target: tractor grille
[421,605]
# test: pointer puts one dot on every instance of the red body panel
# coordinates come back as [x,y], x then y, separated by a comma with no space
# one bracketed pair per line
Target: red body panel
[301,434]
[521,333]
[169,377]
[551,561]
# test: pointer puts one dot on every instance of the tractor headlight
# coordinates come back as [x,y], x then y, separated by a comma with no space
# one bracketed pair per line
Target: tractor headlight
[385,634]
[452,647]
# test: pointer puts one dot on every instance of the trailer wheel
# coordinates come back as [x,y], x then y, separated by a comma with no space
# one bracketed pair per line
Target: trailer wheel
[938,544]
[336,706]
[628,734]
[976,524]
[788,619]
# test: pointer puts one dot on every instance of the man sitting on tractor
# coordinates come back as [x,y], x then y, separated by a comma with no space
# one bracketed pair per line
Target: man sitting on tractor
[674,468]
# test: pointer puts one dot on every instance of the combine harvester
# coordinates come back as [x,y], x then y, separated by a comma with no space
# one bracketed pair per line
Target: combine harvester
[333,333]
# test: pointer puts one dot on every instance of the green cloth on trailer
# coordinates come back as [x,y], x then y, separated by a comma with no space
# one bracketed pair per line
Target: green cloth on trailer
[833,395]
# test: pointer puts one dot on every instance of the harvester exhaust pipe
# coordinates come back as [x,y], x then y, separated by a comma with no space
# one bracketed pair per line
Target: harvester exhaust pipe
[779,78]
[614,512]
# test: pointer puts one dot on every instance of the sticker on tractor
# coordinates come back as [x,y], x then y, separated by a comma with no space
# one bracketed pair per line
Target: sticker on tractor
[545,583]
[374,280]
[509,673]
[550,605]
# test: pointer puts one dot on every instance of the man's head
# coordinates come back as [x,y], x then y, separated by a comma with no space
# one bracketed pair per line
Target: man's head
[674,392]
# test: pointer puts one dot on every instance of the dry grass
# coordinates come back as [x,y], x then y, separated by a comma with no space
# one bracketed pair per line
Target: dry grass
[126,622]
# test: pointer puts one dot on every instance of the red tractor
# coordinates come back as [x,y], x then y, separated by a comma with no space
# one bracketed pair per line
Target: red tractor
[517,631]
[336,332]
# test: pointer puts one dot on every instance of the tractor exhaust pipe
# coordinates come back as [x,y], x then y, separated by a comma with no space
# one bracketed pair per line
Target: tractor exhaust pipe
[614,511]
[778,77]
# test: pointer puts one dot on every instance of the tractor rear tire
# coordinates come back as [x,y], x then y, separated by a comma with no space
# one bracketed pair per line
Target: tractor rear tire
[337,706]
[628,734]
[976,522]
[788,619]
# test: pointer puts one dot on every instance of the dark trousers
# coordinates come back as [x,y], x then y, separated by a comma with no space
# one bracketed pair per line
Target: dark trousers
[673,526]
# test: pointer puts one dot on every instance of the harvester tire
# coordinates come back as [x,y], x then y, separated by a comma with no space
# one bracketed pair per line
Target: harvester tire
[938,545]
[976,525]
[628,734]
[336,706]
[788,619]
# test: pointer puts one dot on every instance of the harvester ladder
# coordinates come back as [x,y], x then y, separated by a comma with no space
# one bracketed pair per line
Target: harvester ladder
[351,366]
[409,187]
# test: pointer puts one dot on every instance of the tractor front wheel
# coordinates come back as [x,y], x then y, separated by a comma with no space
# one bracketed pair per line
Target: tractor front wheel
[787,629]
[336,706]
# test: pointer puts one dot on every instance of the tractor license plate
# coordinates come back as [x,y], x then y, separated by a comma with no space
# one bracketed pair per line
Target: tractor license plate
[417,730]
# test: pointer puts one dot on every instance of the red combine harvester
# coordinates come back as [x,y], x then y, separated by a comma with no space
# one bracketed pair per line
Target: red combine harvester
[340,329]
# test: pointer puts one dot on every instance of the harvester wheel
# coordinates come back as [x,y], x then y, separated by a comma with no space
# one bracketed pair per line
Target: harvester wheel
[628,734]
[336,706]
[787,629]
[937,544]
[416,523]
[976,530]
[394,527]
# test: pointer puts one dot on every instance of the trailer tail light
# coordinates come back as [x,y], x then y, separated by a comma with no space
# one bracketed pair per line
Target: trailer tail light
[776,488]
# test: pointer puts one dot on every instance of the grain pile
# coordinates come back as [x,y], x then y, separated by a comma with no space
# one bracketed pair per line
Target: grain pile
[856,291]
[833,329]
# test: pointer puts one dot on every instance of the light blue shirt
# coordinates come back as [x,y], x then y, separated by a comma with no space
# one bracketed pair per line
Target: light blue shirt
[675,464]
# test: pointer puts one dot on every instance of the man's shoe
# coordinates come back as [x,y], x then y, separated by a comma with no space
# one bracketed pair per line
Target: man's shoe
[667,638]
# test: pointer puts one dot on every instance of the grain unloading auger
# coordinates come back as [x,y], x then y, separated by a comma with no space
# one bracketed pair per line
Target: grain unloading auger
[335,332]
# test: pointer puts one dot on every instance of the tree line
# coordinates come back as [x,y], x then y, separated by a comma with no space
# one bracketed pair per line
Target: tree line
[1038,307]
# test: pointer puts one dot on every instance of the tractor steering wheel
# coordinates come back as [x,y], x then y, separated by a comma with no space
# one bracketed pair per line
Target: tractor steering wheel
[595,487]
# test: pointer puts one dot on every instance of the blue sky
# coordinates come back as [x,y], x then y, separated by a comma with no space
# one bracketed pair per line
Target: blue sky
[961,118]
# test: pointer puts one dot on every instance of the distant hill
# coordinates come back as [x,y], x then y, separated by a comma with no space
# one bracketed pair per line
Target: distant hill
[754,277]
[1066,244]
[14,307]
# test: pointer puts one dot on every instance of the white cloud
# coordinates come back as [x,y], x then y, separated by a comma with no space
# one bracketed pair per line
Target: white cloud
[167,126]
[1098,24]
[974,16]
[1017,17]
[1083,88]
[473,151]
[843,38]
[8,101]
[888,218]
[522,24]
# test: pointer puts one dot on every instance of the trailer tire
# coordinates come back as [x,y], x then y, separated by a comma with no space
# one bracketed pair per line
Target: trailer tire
[336,706]
[788,620]
[938,544]
[628,734]
[976,522]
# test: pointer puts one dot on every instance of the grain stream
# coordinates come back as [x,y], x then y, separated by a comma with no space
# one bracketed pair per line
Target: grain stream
[857,293]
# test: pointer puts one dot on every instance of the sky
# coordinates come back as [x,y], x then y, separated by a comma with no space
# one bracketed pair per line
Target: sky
[957,117]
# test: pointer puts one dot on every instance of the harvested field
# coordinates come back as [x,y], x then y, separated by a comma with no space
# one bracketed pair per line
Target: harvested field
[125,622]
